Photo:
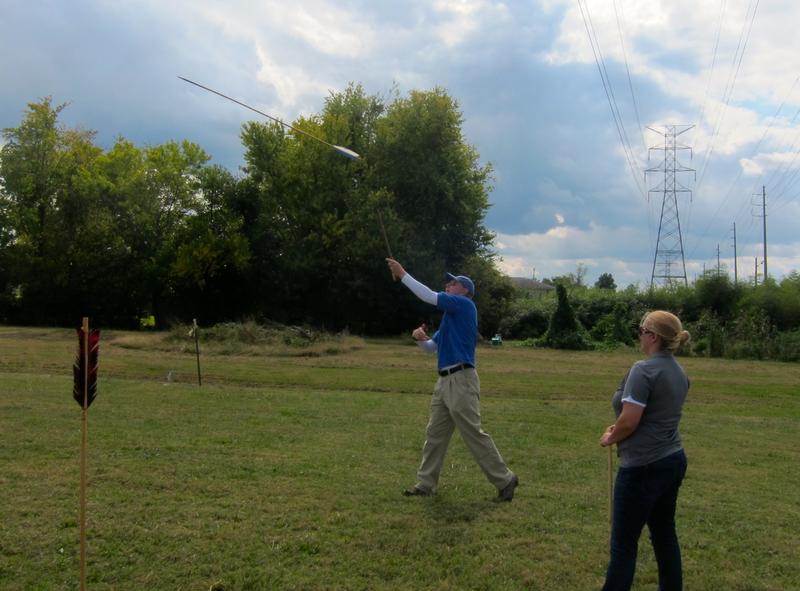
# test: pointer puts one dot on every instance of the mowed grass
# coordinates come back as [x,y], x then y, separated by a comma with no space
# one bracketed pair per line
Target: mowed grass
[284,470]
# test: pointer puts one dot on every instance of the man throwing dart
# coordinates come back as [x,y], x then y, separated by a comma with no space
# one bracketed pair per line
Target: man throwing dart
[456,397]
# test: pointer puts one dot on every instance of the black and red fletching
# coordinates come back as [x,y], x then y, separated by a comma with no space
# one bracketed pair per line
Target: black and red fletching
[85,396]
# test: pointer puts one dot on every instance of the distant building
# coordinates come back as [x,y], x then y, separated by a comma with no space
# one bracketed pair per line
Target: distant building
[532,287]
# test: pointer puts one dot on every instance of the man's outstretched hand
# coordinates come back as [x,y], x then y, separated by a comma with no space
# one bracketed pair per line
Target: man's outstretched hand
[420,333]
[396,268]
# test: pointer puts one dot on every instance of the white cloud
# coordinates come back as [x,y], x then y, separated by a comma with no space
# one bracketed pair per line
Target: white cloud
[464,17]
[523,73]
[751,167]
[323,26]
[291,83]
[561,248]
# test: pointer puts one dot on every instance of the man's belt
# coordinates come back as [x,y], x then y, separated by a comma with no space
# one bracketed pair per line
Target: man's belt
[454,369]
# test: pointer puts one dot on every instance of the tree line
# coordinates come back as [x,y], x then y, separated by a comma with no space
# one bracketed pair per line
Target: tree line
[294,236]
[726,319]
[129,232]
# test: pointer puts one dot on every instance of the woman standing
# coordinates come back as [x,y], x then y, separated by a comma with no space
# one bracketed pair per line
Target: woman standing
[648,405]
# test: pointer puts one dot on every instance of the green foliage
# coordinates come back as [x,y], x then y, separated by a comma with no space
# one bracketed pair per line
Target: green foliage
[788,346]
[606,281]
[716,293]
[678,299]
[571,280]
[493,297]
[156,231]
[751,336]
[564,331]
[708,335]
[780,302]
[526,324]
[724,320]
[615,327]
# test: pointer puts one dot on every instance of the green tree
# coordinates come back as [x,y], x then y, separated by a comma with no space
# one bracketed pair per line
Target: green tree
[493,293]
[440,189]
[45,170]
[171,193]
[606,281]
[131,231]
[564,331]
[322,210]
[716,293]
[212,256]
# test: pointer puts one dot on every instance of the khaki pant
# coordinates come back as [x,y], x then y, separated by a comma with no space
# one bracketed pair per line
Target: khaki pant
[456,403]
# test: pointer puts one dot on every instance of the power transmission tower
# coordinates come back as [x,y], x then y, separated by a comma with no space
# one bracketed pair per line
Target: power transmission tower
[669,244]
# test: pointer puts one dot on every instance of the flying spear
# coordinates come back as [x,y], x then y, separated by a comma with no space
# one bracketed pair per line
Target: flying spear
[341,149]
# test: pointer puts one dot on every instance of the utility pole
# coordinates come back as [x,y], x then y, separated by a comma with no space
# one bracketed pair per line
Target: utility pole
[717,259]
[669,244]
[764,215]
[755,275]
[735,266]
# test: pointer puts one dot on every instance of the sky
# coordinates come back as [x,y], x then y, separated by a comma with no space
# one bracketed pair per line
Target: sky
[564,98]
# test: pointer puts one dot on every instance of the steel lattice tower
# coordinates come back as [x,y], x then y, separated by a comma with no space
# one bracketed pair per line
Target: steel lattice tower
[669,244]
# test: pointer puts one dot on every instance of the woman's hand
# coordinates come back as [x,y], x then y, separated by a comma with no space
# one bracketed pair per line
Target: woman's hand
[605,439]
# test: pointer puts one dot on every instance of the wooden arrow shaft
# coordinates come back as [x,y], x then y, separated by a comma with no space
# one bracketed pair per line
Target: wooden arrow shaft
[84,445]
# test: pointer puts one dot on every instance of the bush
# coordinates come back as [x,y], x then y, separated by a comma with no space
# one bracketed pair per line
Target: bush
[564,331]
[717,294]
[751,336]
[708,335]
[787,345]
[531,324]
[615,328]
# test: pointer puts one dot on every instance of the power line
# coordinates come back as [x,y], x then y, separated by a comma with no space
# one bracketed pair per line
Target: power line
[738,56]
[758,181]
[620,16]
[628,71]
[723,9]
[612,103]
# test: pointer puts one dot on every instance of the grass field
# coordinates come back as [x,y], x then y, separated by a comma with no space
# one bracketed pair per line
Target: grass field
[284,470]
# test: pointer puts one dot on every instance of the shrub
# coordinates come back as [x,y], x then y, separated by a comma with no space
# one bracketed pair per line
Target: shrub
[787,345]
[616,327]
[531,324]
[564,331]
[752,335]
[708,335]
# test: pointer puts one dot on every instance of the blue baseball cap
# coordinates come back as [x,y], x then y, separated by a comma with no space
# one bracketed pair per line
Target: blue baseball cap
[463,280]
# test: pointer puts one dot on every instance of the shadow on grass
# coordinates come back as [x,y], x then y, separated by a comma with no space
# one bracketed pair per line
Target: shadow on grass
[446,510]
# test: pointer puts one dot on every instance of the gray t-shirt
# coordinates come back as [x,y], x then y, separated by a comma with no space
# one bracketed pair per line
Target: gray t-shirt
[660,385]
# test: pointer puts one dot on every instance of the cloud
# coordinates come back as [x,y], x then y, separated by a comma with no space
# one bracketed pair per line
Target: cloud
[289,82]
[523,74]
[462,18]
[560,249]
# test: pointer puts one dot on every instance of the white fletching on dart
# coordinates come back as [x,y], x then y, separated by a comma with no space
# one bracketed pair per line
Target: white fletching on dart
[346,152]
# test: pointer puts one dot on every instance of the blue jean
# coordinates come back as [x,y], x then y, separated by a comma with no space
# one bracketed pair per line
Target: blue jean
[646,495]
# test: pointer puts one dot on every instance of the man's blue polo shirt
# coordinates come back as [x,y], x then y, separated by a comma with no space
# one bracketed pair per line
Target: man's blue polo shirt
[458,334]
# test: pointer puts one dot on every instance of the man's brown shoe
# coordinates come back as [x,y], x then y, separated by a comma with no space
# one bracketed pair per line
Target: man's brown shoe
[507,494]
[416,492]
